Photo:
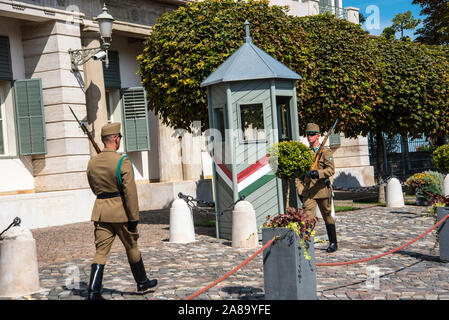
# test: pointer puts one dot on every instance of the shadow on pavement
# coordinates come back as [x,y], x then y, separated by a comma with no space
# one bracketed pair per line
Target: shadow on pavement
[245,292]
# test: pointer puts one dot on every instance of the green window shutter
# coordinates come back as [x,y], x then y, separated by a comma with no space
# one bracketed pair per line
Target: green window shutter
[30,117]
[5,59]
[334,139]
[135,117]
[112,73]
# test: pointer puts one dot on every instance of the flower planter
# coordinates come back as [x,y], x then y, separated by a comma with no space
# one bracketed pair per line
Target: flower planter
[443,236]
[288,275]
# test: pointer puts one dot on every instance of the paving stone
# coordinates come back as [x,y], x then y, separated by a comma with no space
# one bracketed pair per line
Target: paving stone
[182,269]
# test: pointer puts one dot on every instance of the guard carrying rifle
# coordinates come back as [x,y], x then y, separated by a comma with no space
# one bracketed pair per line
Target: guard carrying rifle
[315,188]
[115,212]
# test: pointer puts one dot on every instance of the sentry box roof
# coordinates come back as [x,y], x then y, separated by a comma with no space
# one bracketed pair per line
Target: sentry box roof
[249,63]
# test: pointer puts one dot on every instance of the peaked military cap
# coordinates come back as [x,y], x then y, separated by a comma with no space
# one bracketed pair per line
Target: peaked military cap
[312,128]
[110,128]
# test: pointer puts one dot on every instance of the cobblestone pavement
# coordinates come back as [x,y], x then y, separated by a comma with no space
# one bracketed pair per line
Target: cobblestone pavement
[415,273]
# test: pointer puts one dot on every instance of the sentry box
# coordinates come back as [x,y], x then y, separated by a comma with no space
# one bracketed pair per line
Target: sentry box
[252,105]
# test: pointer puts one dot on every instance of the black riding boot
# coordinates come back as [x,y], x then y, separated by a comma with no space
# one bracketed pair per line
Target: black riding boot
[96,278]
[332,235]
[143,283]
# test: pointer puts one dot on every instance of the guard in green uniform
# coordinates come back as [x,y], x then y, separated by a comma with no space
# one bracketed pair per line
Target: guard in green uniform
[315,188]
[115,212]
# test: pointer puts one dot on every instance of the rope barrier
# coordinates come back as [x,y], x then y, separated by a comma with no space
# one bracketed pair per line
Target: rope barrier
[383,254]
[317,264]
[234,270]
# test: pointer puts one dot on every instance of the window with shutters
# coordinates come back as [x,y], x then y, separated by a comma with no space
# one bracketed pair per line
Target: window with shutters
[30,119]
[135,119]
[5,59]
[112,73]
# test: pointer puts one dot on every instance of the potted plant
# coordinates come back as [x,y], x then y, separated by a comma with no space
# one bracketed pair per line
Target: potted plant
[289,264]
[422,184]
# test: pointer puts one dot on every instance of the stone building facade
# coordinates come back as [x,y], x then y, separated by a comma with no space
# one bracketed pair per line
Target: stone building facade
[43,151]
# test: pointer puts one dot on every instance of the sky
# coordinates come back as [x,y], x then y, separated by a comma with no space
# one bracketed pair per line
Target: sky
[380,13]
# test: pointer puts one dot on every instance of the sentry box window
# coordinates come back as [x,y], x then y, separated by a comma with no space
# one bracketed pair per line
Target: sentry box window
[251,122]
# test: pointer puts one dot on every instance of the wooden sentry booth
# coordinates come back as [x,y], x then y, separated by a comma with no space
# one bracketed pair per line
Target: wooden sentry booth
[252,105]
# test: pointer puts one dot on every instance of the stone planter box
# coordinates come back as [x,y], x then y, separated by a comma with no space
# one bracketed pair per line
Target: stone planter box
[443,230]
[287,273]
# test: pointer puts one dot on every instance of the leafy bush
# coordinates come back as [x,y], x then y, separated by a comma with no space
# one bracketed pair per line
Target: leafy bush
[440,158]
[439,177]
[298,221]
[423,185]
[289,160]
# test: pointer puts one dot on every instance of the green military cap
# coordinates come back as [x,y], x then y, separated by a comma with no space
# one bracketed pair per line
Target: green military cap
[110,128]
[312,128]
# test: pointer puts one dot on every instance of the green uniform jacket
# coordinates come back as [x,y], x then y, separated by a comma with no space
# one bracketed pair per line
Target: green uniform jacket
[102,177]
[316,188]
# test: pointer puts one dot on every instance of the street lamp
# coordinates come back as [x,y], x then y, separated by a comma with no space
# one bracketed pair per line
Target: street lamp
[81,56]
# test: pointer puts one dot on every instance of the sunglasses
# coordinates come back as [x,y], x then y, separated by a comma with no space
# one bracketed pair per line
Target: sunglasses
[312,134]
[120,135]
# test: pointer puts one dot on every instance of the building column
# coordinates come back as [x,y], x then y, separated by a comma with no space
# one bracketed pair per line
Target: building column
[191,155]
[352,14]
[170,157]
[313,7]
[97,115]
[352,163]
[45,48]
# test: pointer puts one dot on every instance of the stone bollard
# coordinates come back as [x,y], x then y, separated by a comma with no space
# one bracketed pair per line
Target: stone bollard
[181,222]
[19,272]
[393,196]
[244,226]
[446,186]
[319,215]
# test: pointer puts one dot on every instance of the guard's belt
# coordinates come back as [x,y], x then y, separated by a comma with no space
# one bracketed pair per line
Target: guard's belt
[108,195]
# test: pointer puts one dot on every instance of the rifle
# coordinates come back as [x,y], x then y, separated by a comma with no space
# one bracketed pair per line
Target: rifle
[320,150]
[89,135]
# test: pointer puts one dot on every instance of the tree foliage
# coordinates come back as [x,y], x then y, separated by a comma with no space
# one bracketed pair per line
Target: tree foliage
[440,158]
[188,44]
[339,79]
[415,89]
[436,22]
[371,85]
[405,21]
[388,33]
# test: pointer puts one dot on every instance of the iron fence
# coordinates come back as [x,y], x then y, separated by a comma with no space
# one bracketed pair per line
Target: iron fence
[402,156]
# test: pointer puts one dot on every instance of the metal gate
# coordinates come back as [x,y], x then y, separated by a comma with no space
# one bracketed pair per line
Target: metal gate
[402,156]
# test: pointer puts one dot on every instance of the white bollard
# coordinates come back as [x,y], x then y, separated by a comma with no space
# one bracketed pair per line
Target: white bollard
[446,186]
[19,272]
[393,195]
[181,223]
[318,211]
[244,226]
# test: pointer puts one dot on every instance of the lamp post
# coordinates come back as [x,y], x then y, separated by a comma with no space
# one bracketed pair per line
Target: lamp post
[81,56]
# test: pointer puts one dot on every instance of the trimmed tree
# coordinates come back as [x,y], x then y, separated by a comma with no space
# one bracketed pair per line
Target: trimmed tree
[340,77]
[290,160]
[188,44]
